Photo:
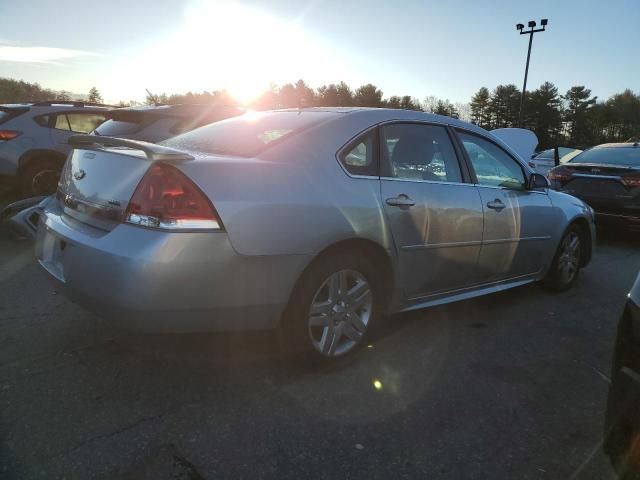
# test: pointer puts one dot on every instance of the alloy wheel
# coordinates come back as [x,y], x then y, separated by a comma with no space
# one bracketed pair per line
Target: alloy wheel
[569,260]
[340,313]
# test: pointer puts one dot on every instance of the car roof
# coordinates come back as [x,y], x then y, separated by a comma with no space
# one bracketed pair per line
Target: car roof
[616,145]
[390,114]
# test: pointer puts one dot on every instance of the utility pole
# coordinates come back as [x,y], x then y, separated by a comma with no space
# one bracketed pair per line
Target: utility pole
[530,32]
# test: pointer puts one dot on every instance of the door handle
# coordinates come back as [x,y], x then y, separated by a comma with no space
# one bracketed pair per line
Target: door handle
[401,200]
[496,205]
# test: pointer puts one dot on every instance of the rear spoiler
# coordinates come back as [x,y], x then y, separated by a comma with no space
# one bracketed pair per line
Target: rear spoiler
[153,152]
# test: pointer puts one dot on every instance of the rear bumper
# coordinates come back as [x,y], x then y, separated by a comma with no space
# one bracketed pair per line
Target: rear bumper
[618,220]
[165,282]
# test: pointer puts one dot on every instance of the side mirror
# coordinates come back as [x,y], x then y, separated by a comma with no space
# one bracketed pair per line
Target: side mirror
[538,181]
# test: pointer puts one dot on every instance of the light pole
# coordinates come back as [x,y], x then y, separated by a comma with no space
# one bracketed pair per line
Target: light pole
[530,32]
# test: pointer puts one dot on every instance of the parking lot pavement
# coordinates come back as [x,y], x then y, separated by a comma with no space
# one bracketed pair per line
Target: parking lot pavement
[509,386]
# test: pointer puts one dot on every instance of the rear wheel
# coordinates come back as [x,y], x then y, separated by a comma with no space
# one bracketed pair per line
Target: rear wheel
[566,264]
[333,307]
[40,177]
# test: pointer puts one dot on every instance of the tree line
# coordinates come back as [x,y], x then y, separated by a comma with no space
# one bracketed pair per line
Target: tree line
[575,118]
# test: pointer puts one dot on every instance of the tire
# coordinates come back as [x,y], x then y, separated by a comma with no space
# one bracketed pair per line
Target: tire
[333,307]
[566,263]
[40,177]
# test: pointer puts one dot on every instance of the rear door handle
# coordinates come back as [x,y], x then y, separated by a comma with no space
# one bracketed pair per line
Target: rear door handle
[496,205]
[401,200]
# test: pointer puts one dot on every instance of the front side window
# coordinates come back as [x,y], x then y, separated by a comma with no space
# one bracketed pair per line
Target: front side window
[493,166]
[420,152]
[359,157]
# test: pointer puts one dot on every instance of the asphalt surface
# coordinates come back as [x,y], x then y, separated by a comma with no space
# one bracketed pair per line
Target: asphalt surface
[508,386]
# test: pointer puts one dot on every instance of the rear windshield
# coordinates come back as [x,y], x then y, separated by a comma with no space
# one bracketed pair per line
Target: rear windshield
[7,113]
[113,128]
[623,156]
[249,134]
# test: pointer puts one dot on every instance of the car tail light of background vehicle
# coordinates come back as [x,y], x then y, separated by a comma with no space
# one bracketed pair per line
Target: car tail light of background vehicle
[631,180]
[560,175]
[9,135]
[167,199]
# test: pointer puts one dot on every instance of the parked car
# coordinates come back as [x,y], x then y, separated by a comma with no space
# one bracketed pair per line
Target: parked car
[33,140]
[607,177]
[545,160]
[622,426]
[313,221]
[159,122]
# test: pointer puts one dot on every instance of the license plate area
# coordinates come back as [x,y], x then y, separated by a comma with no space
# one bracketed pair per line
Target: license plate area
[52,254]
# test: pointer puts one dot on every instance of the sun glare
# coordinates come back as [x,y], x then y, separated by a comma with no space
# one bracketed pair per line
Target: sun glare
[229,45]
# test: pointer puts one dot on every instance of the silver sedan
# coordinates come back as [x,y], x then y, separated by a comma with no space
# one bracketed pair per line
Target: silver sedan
[313,221]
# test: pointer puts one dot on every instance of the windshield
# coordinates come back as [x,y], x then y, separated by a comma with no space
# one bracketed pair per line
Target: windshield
[624,156]
[249,134]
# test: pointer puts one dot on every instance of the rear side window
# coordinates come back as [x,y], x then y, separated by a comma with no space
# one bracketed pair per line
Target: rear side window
[248,135]
[42,120]
[420,152]
[359,157]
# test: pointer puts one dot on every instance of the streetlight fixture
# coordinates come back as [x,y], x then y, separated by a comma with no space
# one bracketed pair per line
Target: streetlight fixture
[530,32]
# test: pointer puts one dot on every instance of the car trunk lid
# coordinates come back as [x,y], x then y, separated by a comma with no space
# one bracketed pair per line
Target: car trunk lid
[102,173]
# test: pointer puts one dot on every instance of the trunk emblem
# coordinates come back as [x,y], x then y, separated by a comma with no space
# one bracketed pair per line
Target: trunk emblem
[80,174]
[595,170]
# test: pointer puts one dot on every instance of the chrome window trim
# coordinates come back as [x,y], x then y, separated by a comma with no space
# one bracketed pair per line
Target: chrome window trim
[396,179]
[604,177]
[497,187]
[474,243]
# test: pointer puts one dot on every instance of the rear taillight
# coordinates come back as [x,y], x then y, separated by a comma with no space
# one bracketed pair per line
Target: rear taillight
[559,174]
[632,180]
[9,135]
[166,198]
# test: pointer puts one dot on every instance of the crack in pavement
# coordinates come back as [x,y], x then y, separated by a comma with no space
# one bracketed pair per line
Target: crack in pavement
[114,433]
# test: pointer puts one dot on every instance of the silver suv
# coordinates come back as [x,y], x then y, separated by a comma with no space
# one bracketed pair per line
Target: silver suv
[33,140]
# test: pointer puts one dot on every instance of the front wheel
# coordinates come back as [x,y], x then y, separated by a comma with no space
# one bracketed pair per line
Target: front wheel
[333,307]
[567,261]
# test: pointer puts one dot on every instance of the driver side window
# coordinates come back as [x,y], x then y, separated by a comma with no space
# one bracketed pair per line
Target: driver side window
[493,166]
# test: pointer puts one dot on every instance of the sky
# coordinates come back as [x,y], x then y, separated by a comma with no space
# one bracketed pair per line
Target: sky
[448,49]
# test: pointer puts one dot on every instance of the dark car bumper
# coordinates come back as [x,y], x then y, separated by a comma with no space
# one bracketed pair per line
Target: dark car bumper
[628,222]
[622,426]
